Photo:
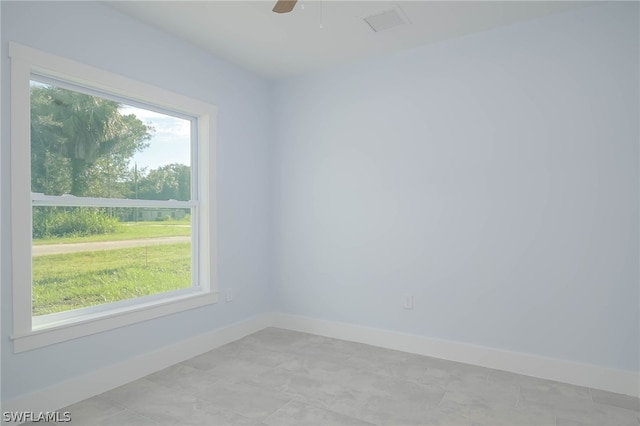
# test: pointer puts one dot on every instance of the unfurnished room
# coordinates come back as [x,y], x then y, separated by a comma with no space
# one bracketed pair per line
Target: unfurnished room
[319,212]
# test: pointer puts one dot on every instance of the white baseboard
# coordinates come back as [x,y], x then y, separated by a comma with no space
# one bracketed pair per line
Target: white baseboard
[77,389]
[612,380]
[83,387]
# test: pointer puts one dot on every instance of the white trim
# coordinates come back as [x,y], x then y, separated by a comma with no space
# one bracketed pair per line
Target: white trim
[29,334]
[79,388]
[91,324]
[42,322]
[608,379]
[20,218]
[90,77]
[39,199]
[101,94]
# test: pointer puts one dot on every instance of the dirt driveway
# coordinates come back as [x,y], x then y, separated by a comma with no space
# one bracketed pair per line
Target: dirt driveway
[47,249]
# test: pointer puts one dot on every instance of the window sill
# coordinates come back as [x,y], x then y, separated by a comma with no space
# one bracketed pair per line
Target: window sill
[90,324]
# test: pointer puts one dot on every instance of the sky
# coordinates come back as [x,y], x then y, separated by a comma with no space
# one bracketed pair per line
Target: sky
[170,143]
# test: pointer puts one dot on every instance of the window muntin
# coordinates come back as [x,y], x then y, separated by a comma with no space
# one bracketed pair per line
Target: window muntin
[30,332]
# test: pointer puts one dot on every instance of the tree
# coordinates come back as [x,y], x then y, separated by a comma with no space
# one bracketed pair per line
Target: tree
[50,171]
[170,182]
[77,138]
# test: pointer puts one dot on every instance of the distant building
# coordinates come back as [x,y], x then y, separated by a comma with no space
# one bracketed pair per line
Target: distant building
[148,214]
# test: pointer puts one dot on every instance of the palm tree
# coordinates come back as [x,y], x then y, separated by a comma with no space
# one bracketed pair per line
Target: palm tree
[84,129]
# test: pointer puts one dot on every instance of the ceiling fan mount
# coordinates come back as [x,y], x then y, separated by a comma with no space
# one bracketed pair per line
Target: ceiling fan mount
[284,6]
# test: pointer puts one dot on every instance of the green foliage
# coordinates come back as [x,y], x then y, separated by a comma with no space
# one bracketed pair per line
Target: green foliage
[63,282]
[128,231]
[81,144]
[61,222]
[170,182]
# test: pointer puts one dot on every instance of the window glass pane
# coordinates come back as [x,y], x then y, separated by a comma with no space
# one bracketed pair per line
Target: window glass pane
[91,256]
[90,146]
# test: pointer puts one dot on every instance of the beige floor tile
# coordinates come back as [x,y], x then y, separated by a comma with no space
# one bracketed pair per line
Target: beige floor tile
[297,413]
[279,377]
[616,400]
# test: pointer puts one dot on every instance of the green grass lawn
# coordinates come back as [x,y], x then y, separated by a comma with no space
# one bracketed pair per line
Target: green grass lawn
[63,282]
[129,231]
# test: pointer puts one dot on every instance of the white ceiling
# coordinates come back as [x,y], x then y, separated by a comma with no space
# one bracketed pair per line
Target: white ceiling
[275,45]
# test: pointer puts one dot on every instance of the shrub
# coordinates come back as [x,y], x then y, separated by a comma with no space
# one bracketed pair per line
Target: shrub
[76,222]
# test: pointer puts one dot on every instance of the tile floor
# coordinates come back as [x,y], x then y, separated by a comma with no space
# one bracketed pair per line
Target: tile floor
[277,377]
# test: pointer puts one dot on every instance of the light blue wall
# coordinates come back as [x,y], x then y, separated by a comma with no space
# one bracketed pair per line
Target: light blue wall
[494,177]
[97,35]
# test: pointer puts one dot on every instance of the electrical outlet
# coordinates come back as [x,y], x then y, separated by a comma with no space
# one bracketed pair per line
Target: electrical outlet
[229,295]
[408,302]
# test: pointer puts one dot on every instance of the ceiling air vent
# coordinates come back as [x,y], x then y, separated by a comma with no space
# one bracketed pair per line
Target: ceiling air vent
[388,19]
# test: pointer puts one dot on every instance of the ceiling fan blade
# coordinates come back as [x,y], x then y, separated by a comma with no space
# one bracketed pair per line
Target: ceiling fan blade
[284,6]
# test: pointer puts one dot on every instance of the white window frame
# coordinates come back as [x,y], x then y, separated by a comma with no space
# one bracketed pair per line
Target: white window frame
[29,332]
